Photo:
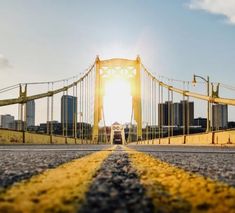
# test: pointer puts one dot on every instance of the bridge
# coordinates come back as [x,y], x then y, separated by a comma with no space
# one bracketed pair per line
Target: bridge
[154,115]
[160,160]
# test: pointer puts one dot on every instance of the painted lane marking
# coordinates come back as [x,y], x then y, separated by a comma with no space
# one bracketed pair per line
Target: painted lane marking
[174,189]
[56,190]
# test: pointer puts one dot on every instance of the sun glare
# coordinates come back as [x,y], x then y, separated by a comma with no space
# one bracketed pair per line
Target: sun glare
[117,100]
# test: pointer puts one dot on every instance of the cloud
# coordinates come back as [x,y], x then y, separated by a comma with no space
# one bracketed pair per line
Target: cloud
[4,63]
[221,7]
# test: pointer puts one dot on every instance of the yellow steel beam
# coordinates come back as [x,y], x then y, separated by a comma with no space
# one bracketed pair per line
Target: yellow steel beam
[136,99]
[117,62]
[193,94]
[97,102]
[42,95]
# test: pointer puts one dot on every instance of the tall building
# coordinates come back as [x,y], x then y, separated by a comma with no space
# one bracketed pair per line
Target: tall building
[7,121]
[219,116]
[186,113]
[19,125]
[68,109]
[179,114]
[30,113]
[165,113]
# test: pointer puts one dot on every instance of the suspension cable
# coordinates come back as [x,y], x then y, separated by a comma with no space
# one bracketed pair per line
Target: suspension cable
[183,105]
[52,108]
[188,112]
[159,112]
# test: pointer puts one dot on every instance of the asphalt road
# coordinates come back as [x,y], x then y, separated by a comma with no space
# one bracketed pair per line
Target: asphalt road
[217,163]
[18,162]
[125,179]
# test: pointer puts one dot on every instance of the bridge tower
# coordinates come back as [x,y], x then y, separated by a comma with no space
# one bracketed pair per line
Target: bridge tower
[106,68]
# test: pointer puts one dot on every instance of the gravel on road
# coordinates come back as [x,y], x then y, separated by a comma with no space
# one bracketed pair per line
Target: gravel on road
[116,188]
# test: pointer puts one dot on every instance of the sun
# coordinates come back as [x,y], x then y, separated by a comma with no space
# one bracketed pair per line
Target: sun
[117,100]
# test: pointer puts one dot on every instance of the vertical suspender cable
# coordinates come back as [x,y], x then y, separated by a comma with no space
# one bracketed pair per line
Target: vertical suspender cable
[19,113]
[162,115]
[84,117]
[52,106]
[159,112]
[66,113]
[25,117]
[188,112]
[73,114]
[48,106]
[150,105]
[183,106]
[147,107]
[76,113]
[80,110]
[88,110]
[168,112]
[87,107]
[152,116]
[63,111]
[21,117]
[172,114]
[155,107]
[144,104]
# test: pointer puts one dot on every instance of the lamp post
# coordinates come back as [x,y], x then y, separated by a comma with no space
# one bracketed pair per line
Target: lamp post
[207,80]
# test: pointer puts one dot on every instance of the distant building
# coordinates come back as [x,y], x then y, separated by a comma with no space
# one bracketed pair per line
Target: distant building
[68,109]
[177,114]
[165,113]
[219,116]
[30,113]
[18,125]
[7,121]
[200,122]
[186,113]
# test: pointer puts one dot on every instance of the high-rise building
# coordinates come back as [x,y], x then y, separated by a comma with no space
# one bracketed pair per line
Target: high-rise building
[186,113]
[165,113]
[7,121]
[179,114]
[68,109]
[30,113]
[219,116]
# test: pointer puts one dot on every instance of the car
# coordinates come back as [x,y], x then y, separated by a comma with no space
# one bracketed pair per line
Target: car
[117,138]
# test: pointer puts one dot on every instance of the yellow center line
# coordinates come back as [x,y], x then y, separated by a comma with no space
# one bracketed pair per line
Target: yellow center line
[61,189]
[173,188]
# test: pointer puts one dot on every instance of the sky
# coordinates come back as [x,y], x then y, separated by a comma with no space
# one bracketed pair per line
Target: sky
[45,40]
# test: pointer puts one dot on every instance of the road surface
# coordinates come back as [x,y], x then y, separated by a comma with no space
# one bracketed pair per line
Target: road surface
[104,178]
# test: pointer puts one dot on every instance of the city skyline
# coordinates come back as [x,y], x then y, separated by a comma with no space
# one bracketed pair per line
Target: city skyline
[177,39]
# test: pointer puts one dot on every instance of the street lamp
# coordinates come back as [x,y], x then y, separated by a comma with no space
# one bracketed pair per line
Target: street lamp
[208,94]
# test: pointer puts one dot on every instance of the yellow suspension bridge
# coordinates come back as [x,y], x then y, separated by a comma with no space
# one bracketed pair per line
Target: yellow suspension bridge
[157,162]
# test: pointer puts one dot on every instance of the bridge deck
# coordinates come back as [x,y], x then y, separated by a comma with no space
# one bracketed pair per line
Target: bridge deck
[97,178]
